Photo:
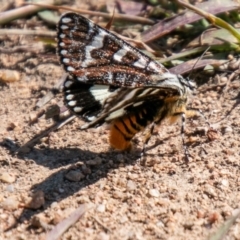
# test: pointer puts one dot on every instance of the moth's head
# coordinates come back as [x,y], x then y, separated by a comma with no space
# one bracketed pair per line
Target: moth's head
[170,80]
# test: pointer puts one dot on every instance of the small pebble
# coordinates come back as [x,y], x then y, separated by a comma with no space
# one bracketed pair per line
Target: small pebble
[7,177]
[61,190]
[228,130]
[54,205]
[10,204]
[154,193]
[211,165]
[225,182]
[103,236]
[74,176]
[120,158]
[94,162]
[10,188]
[210,190]
[101,208]
[86,170]
[36,201]
[118,195]
[7,75]
[131,185]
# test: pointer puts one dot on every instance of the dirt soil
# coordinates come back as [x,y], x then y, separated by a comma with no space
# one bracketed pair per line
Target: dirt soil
[124,198]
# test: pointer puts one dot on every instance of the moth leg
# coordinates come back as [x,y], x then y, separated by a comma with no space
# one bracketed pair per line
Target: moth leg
[147,138]
[192,112]
[183,115]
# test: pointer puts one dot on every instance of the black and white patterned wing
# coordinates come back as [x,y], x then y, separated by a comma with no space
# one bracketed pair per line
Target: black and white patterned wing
[94,55]
[108,78]
[103,103]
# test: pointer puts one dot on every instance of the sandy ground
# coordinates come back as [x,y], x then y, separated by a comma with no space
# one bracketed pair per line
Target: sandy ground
[164,198]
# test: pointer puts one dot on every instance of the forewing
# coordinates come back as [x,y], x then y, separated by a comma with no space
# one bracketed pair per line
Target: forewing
[96,56]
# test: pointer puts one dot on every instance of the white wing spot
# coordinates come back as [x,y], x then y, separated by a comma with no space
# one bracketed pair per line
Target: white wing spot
[77,109]
[66,60]
[66,20]
[153,66]
[70,69]
[63,52]
[120,53]
[62,35]
[62,44]
[72,103]
[141,63]
[96,43]
[90,119]
[70,97]
[67,84]
[64,27]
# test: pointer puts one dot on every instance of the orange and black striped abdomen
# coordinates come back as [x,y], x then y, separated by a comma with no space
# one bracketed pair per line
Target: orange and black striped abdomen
[124,129]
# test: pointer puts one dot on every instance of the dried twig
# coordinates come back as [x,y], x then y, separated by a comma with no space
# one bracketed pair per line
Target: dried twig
[57,231]
[117,16]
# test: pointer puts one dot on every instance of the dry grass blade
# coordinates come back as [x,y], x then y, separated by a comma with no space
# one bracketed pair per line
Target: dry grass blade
[167,25]
[213,19]
[222,231]
[56,232]
[22,12]
[28,32]
[188,66]
[117,16]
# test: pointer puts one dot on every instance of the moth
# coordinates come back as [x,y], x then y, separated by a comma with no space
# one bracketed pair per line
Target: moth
[111,81]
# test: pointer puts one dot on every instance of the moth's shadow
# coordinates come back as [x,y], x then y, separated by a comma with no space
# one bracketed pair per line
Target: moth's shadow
[56,187]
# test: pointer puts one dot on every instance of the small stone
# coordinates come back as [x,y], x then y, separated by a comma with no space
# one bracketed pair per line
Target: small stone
[74,176]
[54,205]
[228,130]
[12,125]
[210,190]
[214,217]
[212,134]
[10,204]
[86,170]
[103,236]
[131,185]
[133,176]
[94,162]
[10,188]
[40,221]
[225,182]
[36,201]
[7,75]
[118,195]
[32,118]
[101,208]
[61,190]
[120,158]
[57,218]
[211,165]
[154,192]
[7,177]
[123,219]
